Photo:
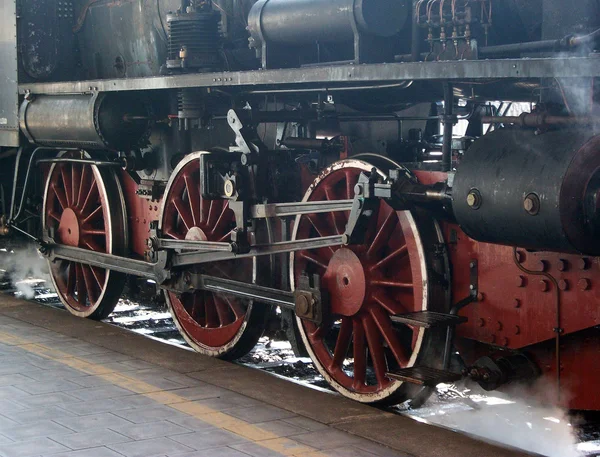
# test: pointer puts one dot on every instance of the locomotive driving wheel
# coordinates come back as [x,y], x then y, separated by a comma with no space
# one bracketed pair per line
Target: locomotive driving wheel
[390,274]
[84,207]
[214,324]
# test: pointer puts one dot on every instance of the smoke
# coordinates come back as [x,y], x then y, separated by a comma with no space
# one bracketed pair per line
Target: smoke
[523,418]
[24,268]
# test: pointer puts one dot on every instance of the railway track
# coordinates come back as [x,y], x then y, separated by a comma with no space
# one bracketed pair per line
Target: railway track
[549,432]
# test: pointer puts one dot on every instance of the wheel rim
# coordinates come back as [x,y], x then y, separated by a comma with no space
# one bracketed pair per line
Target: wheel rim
[211,323]
[358,343]
[84,208]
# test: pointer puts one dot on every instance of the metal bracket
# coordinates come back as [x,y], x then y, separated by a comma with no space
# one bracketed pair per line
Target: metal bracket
[473,278]
[308,299]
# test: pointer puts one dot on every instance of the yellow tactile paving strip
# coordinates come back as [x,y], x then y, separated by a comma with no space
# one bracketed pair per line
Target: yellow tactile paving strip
[219,419]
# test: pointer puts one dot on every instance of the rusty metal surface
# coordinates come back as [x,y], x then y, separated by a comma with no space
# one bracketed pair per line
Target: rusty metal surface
[9,122]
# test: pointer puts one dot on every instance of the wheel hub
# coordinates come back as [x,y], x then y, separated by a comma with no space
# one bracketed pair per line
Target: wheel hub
[68,228]
[346,281]
[196,234]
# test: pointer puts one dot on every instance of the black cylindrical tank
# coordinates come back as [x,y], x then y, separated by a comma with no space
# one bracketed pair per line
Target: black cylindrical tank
[537,191]
[114,121]
[294,22]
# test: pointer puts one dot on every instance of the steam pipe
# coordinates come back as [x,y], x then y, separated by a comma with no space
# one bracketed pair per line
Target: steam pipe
[448,127]
[540,120]
[566,43]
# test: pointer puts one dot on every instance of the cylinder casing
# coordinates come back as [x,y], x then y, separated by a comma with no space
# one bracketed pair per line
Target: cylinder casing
[294,22]
[503,169]
[90,121]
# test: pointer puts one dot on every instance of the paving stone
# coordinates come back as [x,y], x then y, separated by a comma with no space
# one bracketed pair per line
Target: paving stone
[54,374]
[94,421]
[91,452]
[262,413]
[99,393]
[192,423]
[7,406]
[13,379]
[34,430]
[256,450]
[59,398]
[90,381]
[149,414]
[22,368]
[152,430]
[281,428]
[136,401]
[38,414]
[47,387]
[210,439]
[327,439]
[40,446]
[306,423]
[90,439]
[348,451]
[95,407]
[377,449]
[12,393]
[6,422]
[227,402]
[214,452]
[150,448]
[201,392]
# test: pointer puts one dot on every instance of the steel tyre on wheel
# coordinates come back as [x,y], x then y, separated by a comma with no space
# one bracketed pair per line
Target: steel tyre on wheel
[394,272]
[84,207]
[218,325]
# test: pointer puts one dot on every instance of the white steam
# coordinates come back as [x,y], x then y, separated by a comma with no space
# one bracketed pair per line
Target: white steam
[514,419]
[24,268]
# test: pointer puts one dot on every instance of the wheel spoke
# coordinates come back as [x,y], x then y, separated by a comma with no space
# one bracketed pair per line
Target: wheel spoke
[71,279]
[173,235]
[75,181]
[222,310]
[384,324]
[193,198]
[53,215]
[60,196]
[80,284]
[93,215]
[359,353]
[184,212]
[400,252]
[319,230]
[91,199]
[312,259]
[383,235]
[212,213]
[342,343]
[82,182]
[92,245]
[67,184]
[221,221]
[225,237]
[212,319]
[334,214]
[391,306]
[375,349]
[237,308]
[93,232]
[350,178]
[391,283]
[99,276]
[88,278]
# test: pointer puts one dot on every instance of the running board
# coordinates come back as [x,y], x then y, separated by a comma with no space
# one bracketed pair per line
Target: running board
[424,376]
[429,319]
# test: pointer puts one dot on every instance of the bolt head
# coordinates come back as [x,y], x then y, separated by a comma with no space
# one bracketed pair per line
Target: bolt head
[517,303]
[532,204]
[562,265]
[563,284]
[544,285]
[584,284]
[474,199]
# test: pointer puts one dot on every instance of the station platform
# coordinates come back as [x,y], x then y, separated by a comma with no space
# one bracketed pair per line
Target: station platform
[71,387]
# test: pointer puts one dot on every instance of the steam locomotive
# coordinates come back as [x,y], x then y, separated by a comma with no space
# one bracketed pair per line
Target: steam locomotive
[414,184]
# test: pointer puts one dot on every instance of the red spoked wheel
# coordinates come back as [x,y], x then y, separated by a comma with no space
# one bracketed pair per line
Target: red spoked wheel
[358,343]
[84,207]
[214,324]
